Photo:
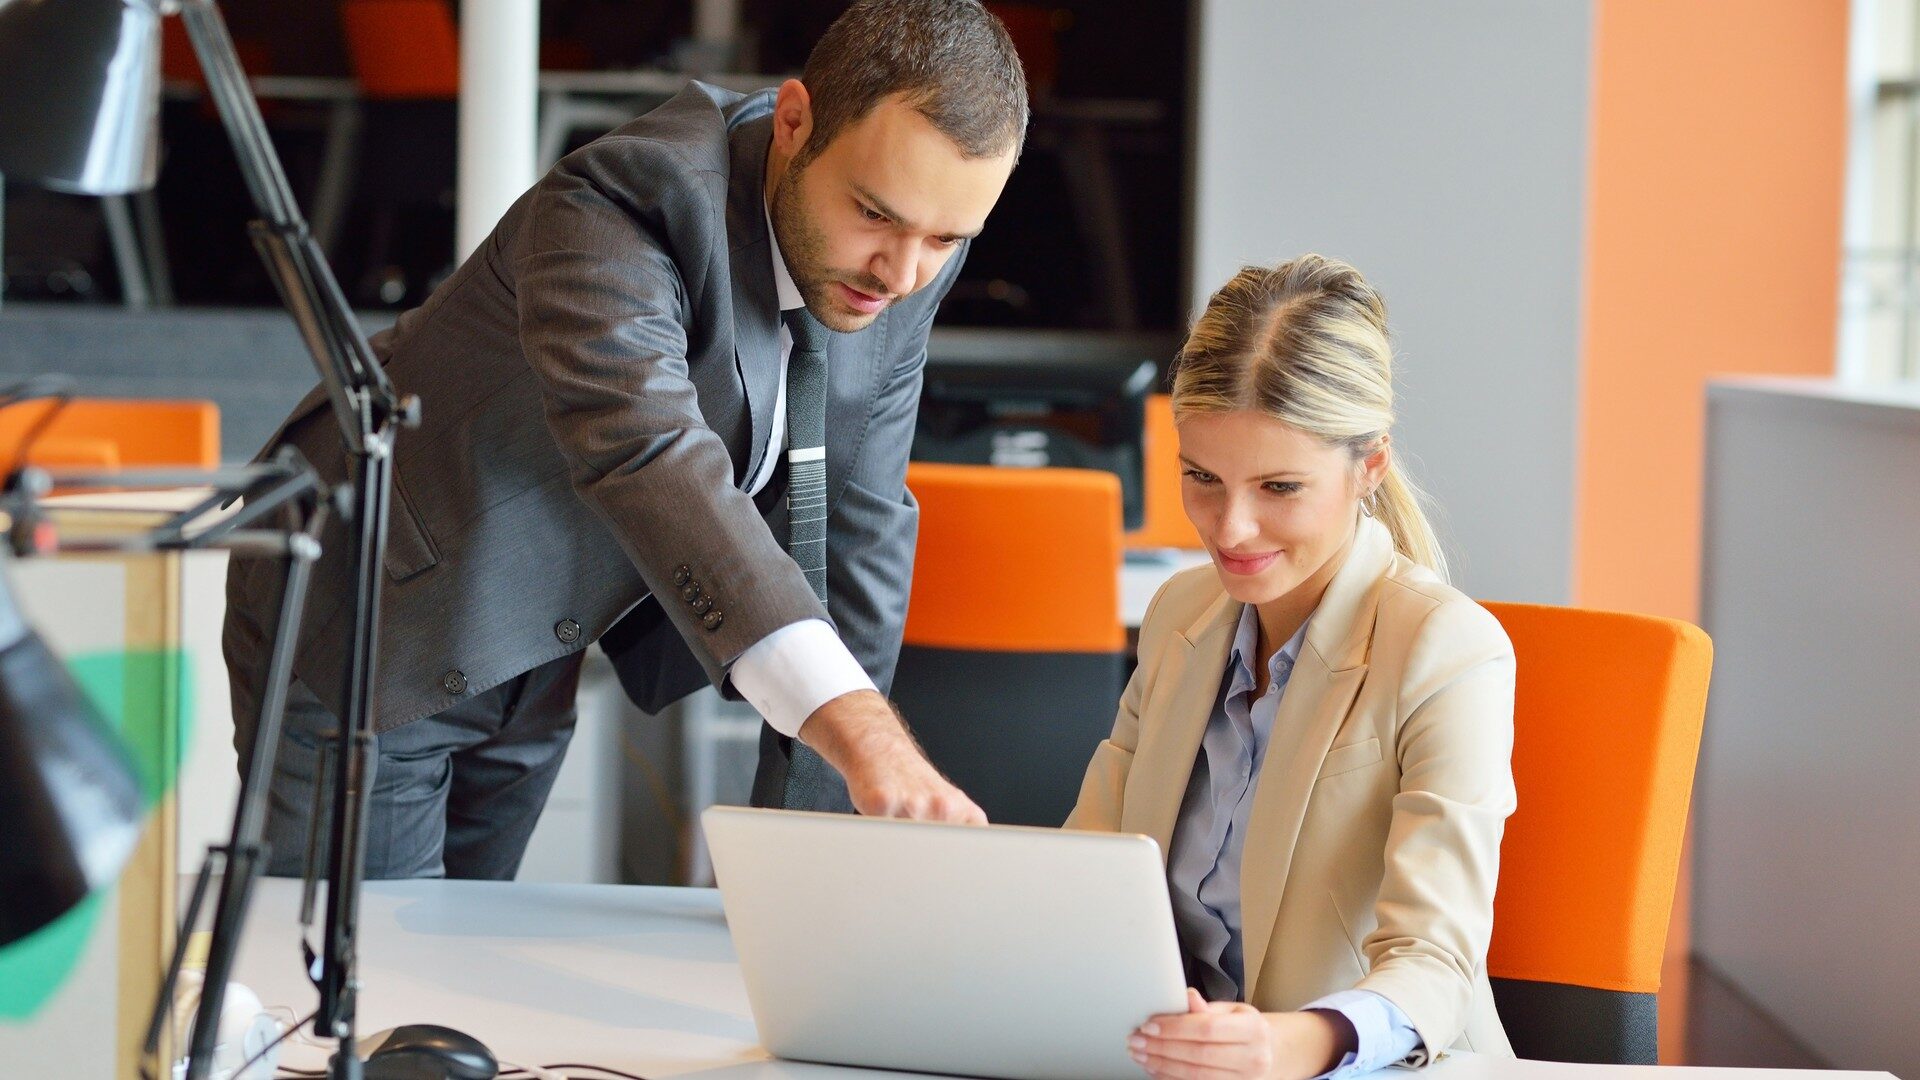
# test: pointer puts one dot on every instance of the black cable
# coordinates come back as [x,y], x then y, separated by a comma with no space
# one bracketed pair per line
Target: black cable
[510,1074]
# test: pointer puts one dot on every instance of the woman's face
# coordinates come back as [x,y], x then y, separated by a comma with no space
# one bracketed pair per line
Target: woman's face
[1274,505]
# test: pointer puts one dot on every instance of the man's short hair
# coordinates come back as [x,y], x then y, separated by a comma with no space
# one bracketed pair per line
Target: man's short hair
[951,61]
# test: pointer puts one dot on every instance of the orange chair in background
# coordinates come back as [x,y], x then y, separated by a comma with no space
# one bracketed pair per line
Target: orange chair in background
[1163,522]
[1607,717]
[179,63]
[402,48]
[103,433]
[1013,657]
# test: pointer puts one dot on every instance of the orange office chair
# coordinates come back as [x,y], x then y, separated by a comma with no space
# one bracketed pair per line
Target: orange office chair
[1607,718]
[1013,657]
[101,433]
[1163,522]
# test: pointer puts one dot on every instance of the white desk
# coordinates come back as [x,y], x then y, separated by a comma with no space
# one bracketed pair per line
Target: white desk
[639,979]
[1141,575]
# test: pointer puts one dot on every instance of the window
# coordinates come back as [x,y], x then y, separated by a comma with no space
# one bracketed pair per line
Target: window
[1880,281]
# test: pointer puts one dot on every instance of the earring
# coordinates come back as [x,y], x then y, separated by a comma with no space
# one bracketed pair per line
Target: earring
[1366,503]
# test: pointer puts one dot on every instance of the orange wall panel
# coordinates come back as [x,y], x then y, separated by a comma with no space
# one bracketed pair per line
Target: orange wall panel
[1719,148]
[1713,247]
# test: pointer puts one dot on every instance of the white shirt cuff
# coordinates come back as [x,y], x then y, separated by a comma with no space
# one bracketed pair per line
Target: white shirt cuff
[795,670]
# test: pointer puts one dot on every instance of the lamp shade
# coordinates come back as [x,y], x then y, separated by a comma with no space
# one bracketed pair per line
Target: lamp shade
[80,93]
[68,799]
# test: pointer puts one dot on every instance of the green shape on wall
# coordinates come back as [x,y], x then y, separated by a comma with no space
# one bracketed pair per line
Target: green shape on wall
[32,968]
[145,696]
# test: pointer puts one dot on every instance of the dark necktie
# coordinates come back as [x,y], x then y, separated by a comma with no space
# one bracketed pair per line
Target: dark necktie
[807,448]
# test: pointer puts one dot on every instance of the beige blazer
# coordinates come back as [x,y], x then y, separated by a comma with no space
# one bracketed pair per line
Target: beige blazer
[1374,842]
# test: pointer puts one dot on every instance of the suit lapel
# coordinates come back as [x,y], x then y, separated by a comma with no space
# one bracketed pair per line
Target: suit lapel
[1175,721]
[756,307]
[1317,698]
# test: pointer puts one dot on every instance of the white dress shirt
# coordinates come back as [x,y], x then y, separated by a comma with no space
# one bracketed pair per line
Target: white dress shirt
[801,666]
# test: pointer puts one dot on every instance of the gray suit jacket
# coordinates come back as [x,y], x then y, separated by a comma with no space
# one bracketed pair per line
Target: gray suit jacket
[597,382]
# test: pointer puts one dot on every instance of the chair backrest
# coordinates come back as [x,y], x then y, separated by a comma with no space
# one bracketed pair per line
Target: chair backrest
[1163,522]
[1607,716]
[402,48]
[97,433]
[179,63]
[1012,662]
[1016,559]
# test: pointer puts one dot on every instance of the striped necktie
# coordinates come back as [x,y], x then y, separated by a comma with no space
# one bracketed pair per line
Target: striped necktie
[807,448]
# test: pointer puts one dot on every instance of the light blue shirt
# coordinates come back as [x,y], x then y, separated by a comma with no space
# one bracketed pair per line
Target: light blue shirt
[1203,866]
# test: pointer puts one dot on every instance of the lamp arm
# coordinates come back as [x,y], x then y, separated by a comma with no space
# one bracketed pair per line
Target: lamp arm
[363,399]
[370,413]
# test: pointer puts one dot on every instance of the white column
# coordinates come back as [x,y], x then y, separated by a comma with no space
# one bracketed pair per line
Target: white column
[499,76]
[716,22]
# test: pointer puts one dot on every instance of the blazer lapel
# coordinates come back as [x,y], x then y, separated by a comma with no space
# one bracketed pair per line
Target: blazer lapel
[756,307]
[858,367]
[1175,721]
[1325,680]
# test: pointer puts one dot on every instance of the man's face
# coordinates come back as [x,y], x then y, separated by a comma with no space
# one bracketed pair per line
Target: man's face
[878,212]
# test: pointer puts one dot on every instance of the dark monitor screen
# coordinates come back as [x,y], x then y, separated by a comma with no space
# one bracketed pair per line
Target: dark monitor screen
[1027,399]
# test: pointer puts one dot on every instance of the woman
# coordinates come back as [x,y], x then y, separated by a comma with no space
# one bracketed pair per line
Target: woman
[1320,729]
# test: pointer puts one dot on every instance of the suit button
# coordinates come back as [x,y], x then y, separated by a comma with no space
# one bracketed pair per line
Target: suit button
[567,631]
[712,621]
[701,605]
[683,575]
[454,682]
[691,592]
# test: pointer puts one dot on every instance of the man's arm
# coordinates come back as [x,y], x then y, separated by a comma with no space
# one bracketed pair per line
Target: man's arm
[601,318]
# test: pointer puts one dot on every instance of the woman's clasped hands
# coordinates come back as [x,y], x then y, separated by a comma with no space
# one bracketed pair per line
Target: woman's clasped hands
[1230,1040]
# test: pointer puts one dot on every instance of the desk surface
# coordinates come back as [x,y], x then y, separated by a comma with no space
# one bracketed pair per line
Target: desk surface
[1141,575]
[639,979]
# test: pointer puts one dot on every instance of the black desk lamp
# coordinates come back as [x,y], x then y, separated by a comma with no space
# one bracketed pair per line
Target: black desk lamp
[79,83]
[67,791]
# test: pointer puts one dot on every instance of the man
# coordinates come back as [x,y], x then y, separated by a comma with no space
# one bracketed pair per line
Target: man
[626,392]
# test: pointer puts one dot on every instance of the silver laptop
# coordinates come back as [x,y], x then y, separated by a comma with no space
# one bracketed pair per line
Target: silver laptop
[995,951]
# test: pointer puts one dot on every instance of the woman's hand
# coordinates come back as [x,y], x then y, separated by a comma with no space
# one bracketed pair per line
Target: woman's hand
[1227,1040]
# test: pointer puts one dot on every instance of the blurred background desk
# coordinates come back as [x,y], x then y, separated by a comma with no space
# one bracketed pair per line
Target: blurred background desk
[718,742]
[1142,574]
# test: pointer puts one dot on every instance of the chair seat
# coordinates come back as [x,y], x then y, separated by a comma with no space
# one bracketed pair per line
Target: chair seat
[1014,730]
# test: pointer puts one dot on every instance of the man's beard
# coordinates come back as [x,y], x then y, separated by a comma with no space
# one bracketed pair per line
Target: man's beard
[803,246]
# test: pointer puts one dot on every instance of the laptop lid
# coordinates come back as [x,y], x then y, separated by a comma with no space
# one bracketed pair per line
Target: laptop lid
[998,951]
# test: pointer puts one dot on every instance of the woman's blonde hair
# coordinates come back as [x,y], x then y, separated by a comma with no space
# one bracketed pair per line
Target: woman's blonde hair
[1305,342]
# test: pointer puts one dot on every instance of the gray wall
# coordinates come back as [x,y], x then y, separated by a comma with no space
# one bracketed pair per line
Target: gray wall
[250,363]
[1807,849]
[1442,149]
